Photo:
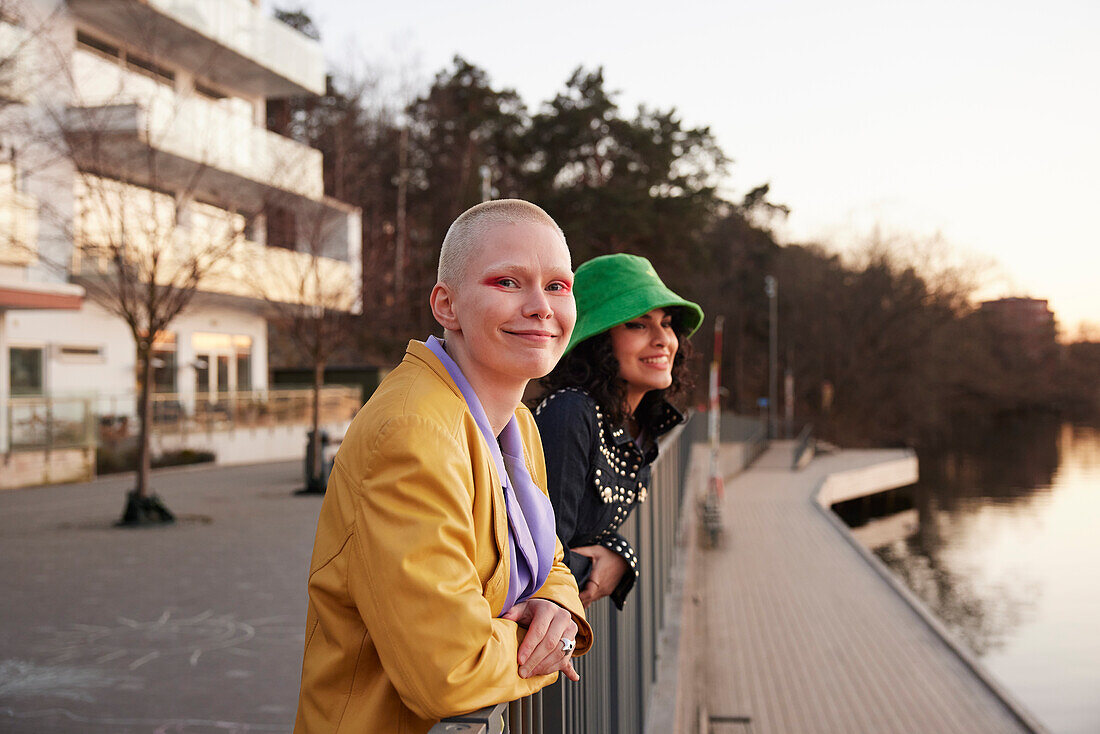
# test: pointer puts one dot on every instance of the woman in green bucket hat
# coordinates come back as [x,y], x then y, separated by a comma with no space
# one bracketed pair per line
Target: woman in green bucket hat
[606,405]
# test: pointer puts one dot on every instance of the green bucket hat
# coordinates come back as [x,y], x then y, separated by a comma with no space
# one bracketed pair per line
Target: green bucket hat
[613,289]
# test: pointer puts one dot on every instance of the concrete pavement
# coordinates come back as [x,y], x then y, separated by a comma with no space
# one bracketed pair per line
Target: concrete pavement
[194,628]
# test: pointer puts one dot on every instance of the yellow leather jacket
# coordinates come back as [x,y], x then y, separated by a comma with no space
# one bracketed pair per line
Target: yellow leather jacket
[410,567]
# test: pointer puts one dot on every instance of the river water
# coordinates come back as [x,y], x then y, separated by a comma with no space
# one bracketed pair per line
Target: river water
[1002,542]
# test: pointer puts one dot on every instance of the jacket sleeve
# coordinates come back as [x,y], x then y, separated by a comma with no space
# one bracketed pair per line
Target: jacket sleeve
[413,580]
[569,434]
[619,545]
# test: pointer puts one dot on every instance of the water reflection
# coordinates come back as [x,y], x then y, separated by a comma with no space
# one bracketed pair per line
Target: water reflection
[981,616]
[1015,461]
[1000,541]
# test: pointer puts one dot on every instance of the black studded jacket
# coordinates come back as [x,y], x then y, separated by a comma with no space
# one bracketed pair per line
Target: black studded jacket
[596,473]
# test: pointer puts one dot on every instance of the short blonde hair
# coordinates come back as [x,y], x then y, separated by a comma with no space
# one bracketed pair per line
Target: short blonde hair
[466,232]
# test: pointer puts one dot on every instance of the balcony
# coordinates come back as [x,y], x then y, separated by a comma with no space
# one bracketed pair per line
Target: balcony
[18,222]
[132,127]
[16,63]
[230,42]
[112,215]
[284,276]
[251,271]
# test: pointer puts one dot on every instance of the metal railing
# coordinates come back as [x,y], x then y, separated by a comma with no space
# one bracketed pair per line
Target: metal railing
[618,673]
[804,443]
[206,412]
[46,424]
[751,432]
[18,212]
[17,73]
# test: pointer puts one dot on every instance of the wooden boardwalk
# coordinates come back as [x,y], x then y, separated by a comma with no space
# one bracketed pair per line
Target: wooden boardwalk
[798,633]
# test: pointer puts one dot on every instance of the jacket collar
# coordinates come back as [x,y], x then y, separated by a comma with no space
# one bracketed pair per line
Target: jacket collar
[665,418]
[418,353]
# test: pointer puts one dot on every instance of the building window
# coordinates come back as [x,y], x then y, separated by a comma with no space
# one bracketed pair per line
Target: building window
[75,354]
[87,41]
[134,61]
[150,69]
[223,362]
[163,359]
[164,371]
[207,91]
[282,229]
[27,367]
[244,371]
[223,373]
[202,374]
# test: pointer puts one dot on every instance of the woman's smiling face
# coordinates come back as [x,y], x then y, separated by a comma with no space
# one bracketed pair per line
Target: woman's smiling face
[645,348]
[514,307]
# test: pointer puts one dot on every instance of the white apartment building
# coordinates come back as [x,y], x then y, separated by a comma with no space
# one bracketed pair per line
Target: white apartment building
[160,109]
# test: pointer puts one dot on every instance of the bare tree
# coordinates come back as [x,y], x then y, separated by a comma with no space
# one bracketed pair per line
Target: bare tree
[135,258]
[309,291]
[147,225]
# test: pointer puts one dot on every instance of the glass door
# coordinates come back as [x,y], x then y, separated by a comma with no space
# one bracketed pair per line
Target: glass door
[222,377]
[202,376]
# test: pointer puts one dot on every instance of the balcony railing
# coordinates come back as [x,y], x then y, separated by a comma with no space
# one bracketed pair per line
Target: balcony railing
[199,138]
[113,217]
[175,413]
[18,222]
[231,42]
[53,423]
[284,276]
[619,672]
[16,63]
[250,270]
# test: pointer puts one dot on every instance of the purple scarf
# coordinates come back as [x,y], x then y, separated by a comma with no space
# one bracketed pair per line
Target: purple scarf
[531,531]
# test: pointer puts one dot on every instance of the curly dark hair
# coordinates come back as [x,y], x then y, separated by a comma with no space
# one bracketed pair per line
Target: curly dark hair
[592,366]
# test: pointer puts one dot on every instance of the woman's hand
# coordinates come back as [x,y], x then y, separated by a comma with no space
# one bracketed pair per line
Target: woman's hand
[547,625]
[607,571]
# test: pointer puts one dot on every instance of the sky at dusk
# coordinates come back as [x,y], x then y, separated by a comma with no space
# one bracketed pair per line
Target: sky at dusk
[975,124]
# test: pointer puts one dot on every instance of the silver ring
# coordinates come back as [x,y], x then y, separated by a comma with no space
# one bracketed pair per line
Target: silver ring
[568,646]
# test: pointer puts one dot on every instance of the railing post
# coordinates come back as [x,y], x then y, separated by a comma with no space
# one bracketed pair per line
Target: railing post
[553,707]
[89,424]
[49,426]
[489,720]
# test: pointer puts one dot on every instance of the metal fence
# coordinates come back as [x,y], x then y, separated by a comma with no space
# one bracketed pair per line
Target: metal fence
[618,673]
[751,432]
[743,429]
[46,424]
[205,412]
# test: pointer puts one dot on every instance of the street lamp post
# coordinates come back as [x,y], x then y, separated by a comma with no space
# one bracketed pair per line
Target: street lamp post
[486,182]
[771,287]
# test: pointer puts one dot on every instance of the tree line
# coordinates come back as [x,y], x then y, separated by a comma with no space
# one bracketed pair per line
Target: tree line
[882,348]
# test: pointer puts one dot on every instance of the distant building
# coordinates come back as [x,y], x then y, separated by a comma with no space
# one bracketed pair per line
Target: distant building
[1027,324]
[179,89]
